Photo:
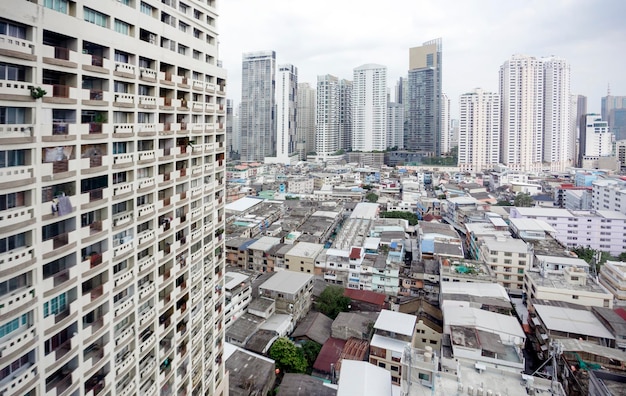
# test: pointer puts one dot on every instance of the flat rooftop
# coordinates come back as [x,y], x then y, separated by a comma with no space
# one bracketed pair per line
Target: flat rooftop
[557,280]
[396,322]
[288,282]
[570,320]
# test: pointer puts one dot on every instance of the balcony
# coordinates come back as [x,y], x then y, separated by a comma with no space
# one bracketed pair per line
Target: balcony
[59,383]
[147,101]
[18,45]
[146,290]
[124,159]
[147,129]
[122,130]
[147,341]
[121,189]
[17,379]
[19,88]
[147,156]
[17,341]
[15,216]
[124,363]
[10,131]
[146,367]
[13,174]
[146,316]
[124,100]
[148,74]
[124,334]
[125,69]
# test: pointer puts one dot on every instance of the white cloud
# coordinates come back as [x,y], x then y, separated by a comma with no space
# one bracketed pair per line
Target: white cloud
[335,36]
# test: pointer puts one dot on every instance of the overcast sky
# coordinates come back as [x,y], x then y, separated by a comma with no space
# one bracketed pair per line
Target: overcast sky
[335,36]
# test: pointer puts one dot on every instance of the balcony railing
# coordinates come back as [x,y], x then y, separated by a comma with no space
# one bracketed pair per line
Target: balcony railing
[60,240]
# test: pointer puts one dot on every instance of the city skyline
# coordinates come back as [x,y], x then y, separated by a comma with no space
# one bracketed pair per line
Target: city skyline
[319,42]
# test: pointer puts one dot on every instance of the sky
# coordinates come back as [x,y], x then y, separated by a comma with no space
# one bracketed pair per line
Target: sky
[335,36]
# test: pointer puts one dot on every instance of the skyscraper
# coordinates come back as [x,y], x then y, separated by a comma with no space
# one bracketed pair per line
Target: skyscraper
[598,140]
[258,106]
[327,116]
[395,125]
[557,136]
[345,114]
[286,95]
[369,108]
[479,131]
[305,120]
[614,112]
[522,95]
[111,199]
[423,121]
[581,119]
[445,123]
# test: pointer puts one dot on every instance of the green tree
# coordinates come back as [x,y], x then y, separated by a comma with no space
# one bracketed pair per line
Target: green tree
[371,197]
[524,200]
[591,256]
[411,217]
[332,301]
[288,357]
[503,203]
[311,349]
[622,256]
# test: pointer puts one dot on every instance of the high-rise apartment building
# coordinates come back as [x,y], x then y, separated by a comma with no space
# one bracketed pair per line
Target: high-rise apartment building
[609,103]
[369,108]
[423,119]
[479,131]
[536,129]
[598,140]
[345,115]
[581,119]
[232,132]
[258,105]
[327,116]
[286,95]
[112,147]
[395,125]
[445,123]
[522,95]
[614,112]
[305,120]
[557,136]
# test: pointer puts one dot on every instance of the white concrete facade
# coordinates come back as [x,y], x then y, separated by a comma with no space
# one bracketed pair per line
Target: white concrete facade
[327,116]
[111,267]
[369,108]
[479,131]
[557,137]
[286,95]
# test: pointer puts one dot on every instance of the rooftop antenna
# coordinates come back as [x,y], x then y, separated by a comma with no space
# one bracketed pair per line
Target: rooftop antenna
[608,89]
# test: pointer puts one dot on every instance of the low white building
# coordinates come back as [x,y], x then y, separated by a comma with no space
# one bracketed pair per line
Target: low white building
[507,258]
[613,277]
[603,230]
[237,292]
[571,284]
[608,194]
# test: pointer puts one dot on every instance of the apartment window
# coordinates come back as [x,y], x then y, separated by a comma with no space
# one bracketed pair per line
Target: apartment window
[119,177]
[146,8]
[12,115]
[13,325]
[57,5]
[11,200]
[197,33]
[12,29]
[122,27]
[183,26]
[13,284]
[12,72]
[168,19]
[197,55]
[125,2]
[182,7]
[18,364]
[122,57]
[182,49]
[9,158]
[95,17]
[55,305]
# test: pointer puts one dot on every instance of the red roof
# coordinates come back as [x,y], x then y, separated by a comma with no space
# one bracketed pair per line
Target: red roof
[621,312]
[366,296]
[355,253]
[330,352]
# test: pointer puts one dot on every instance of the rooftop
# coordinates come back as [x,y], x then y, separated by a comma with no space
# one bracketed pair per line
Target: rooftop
[475,289]
[264,243]
[316,326]
[366,296]
[289,282]
[305,249]
[234,279]
[571,320]
[303,385]
[396,322]
[329,354]
[558,280]
[243,204]
[363,379]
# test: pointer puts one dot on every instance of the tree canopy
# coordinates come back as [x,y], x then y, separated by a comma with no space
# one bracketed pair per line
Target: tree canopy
[288,357]
[371,197]
[311,349]
[523,200]
[411,217]
[332,301]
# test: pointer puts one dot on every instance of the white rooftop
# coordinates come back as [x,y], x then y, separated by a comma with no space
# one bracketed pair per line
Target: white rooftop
[391,344]
[233,279]
[459,313]
[523,224]
[560,260]
[243,204]
[371,243]
[363,379]
[512,245]
[305,249]
[497,221]
[264,243]
[571,320]
[365,210]
[475,289]
[288,282]
[396,322]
